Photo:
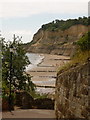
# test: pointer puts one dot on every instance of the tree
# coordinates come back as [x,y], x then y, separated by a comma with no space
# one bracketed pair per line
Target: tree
[20,79]
[65,24]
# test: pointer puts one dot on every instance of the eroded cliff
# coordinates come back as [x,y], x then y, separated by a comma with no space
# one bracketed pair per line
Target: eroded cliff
[57,42]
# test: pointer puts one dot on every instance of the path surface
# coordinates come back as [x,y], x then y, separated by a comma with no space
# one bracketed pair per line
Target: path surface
[30,113]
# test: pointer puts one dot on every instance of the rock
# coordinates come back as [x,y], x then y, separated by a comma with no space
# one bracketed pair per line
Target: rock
[57,42]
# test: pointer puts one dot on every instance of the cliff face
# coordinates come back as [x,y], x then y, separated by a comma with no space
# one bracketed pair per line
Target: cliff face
[57,42]
[72,93]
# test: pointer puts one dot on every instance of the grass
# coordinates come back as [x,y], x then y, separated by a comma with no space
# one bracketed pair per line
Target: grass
[80,58]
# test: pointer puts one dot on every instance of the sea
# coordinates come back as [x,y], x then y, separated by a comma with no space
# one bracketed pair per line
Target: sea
[34,59]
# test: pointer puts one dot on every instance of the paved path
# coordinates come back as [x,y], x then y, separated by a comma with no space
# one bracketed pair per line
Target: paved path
[30,113]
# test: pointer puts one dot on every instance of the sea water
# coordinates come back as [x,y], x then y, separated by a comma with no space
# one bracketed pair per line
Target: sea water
[34,59]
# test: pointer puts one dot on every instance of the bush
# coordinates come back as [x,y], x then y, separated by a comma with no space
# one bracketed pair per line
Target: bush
[65,24]
[79,58]
[84,42]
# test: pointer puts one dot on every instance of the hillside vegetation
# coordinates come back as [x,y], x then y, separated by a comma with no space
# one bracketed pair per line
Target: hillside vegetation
[65,24]
[82,55]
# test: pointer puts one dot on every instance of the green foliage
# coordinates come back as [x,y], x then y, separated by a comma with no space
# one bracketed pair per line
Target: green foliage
[79,58]
[84,42]
[20,79]
[82,54]
[65,24]
[36,95]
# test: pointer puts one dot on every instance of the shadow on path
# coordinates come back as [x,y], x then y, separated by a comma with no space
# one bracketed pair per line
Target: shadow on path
[32,114]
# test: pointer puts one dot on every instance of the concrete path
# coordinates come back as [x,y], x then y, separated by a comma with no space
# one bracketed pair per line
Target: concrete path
[30,113]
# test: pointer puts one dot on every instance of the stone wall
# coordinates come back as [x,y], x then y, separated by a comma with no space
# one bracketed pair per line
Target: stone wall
[72,93]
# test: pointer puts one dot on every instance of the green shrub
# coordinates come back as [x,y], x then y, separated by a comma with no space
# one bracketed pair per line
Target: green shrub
[84,42]
[65,24]
[37,95]
[79,58]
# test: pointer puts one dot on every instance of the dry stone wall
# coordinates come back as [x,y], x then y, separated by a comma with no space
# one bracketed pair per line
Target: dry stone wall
[72,93]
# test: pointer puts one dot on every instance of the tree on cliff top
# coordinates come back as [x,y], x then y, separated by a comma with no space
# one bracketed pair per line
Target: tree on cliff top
[65,24]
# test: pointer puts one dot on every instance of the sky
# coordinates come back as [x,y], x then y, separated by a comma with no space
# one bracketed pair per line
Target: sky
[25,17]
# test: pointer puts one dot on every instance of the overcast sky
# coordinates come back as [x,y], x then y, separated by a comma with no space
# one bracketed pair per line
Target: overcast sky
[24,18]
